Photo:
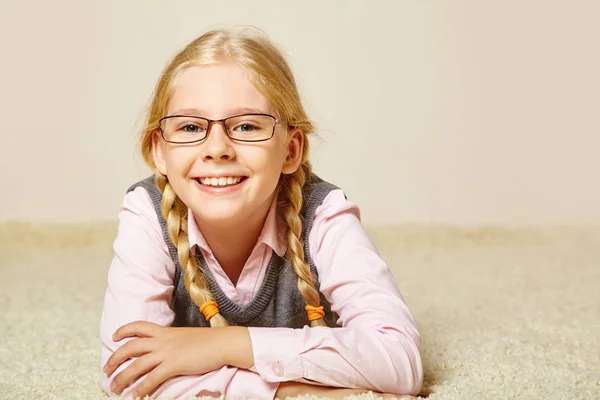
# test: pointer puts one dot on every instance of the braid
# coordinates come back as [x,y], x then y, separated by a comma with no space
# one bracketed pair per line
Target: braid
[175,214]
[291,207]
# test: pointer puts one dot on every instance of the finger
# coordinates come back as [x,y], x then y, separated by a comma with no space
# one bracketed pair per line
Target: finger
[130,374]
[137,328]
[133,348]
[153,380]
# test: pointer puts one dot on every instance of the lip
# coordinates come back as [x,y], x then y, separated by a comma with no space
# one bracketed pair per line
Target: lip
[220,190]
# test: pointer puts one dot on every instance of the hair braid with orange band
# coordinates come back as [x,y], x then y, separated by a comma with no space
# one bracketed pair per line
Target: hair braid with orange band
[291,204]
[175,214]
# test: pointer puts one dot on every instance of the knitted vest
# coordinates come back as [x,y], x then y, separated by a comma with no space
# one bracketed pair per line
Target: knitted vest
[278,302]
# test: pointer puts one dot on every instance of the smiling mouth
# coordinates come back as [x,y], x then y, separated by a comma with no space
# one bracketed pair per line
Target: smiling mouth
[221,182]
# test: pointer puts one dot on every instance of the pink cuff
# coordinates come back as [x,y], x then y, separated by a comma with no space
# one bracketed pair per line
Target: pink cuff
[276,355]
[249,385]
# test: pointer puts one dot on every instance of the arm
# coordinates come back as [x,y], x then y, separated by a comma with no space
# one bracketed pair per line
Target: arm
[140,286]
[378,345]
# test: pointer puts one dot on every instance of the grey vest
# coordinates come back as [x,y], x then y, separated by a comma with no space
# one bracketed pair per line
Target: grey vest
[278,302]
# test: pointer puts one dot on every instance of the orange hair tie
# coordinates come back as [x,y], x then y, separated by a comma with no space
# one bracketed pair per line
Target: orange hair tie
[209,309]
[314,313]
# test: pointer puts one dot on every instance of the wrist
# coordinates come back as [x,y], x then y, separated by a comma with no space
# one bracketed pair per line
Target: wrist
[237,347]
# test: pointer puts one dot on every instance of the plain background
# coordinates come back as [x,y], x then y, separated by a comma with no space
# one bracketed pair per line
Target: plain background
[435,112]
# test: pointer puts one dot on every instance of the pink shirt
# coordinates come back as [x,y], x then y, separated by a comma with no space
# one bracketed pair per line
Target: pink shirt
[377,348]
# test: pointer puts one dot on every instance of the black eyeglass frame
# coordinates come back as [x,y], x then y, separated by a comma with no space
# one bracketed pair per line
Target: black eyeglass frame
[220,121]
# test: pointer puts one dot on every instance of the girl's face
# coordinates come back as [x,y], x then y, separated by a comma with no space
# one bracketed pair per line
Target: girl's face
[217,92]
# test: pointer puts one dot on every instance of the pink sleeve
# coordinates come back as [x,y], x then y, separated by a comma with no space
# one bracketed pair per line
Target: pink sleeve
[140,286]
[378,346]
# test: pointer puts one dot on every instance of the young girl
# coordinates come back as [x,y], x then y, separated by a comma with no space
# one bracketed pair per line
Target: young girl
[237,271]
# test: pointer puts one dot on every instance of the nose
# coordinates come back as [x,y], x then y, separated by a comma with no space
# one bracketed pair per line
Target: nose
[217,145]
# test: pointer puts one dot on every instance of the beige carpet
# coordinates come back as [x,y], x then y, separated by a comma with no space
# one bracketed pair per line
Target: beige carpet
[503,314]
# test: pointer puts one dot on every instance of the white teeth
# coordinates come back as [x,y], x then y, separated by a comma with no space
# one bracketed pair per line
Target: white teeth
[222,181]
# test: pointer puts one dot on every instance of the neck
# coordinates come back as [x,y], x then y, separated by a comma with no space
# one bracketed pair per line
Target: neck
[232,243]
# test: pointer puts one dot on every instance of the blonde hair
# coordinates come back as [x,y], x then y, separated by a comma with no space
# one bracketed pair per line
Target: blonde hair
[268,70]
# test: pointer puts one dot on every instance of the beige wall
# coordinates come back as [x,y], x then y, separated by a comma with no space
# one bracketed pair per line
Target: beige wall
[462,112]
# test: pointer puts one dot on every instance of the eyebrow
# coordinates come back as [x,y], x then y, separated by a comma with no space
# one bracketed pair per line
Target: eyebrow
[231,111]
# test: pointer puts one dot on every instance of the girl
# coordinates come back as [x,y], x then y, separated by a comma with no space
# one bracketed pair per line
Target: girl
[237,271]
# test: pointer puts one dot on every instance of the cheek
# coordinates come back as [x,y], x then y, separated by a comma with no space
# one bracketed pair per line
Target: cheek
[278,152]
[269,161]
[179,159]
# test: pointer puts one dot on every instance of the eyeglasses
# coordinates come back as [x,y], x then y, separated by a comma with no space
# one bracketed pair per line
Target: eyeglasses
[243,128]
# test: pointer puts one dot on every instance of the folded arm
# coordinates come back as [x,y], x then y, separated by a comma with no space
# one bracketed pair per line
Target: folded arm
[140,287]
[377,346]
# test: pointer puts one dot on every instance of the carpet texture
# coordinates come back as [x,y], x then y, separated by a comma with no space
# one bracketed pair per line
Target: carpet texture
[503,313]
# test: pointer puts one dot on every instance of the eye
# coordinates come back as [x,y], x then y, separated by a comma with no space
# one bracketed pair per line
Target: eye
[191,128]
[250,126]
[245,128]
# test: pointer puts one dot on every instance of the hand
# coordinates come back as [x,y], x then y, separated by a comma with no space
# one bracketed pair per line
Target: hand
[164,352]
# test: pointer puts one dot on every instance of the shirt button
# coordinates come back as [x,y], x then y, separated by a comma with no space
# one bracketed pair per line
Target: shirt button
[278,370]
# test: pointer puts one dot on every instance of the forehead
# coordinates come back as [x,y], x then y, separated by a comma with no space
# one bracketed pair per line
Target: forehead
[216,91]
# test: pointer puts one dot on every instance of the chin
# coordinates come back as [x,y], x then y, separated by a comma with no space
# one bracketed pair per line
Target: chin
[216,213]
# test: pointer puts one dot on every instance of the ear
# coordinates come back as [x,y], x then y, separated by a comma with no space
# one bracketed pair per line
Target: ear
[295,150]
[158,153]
